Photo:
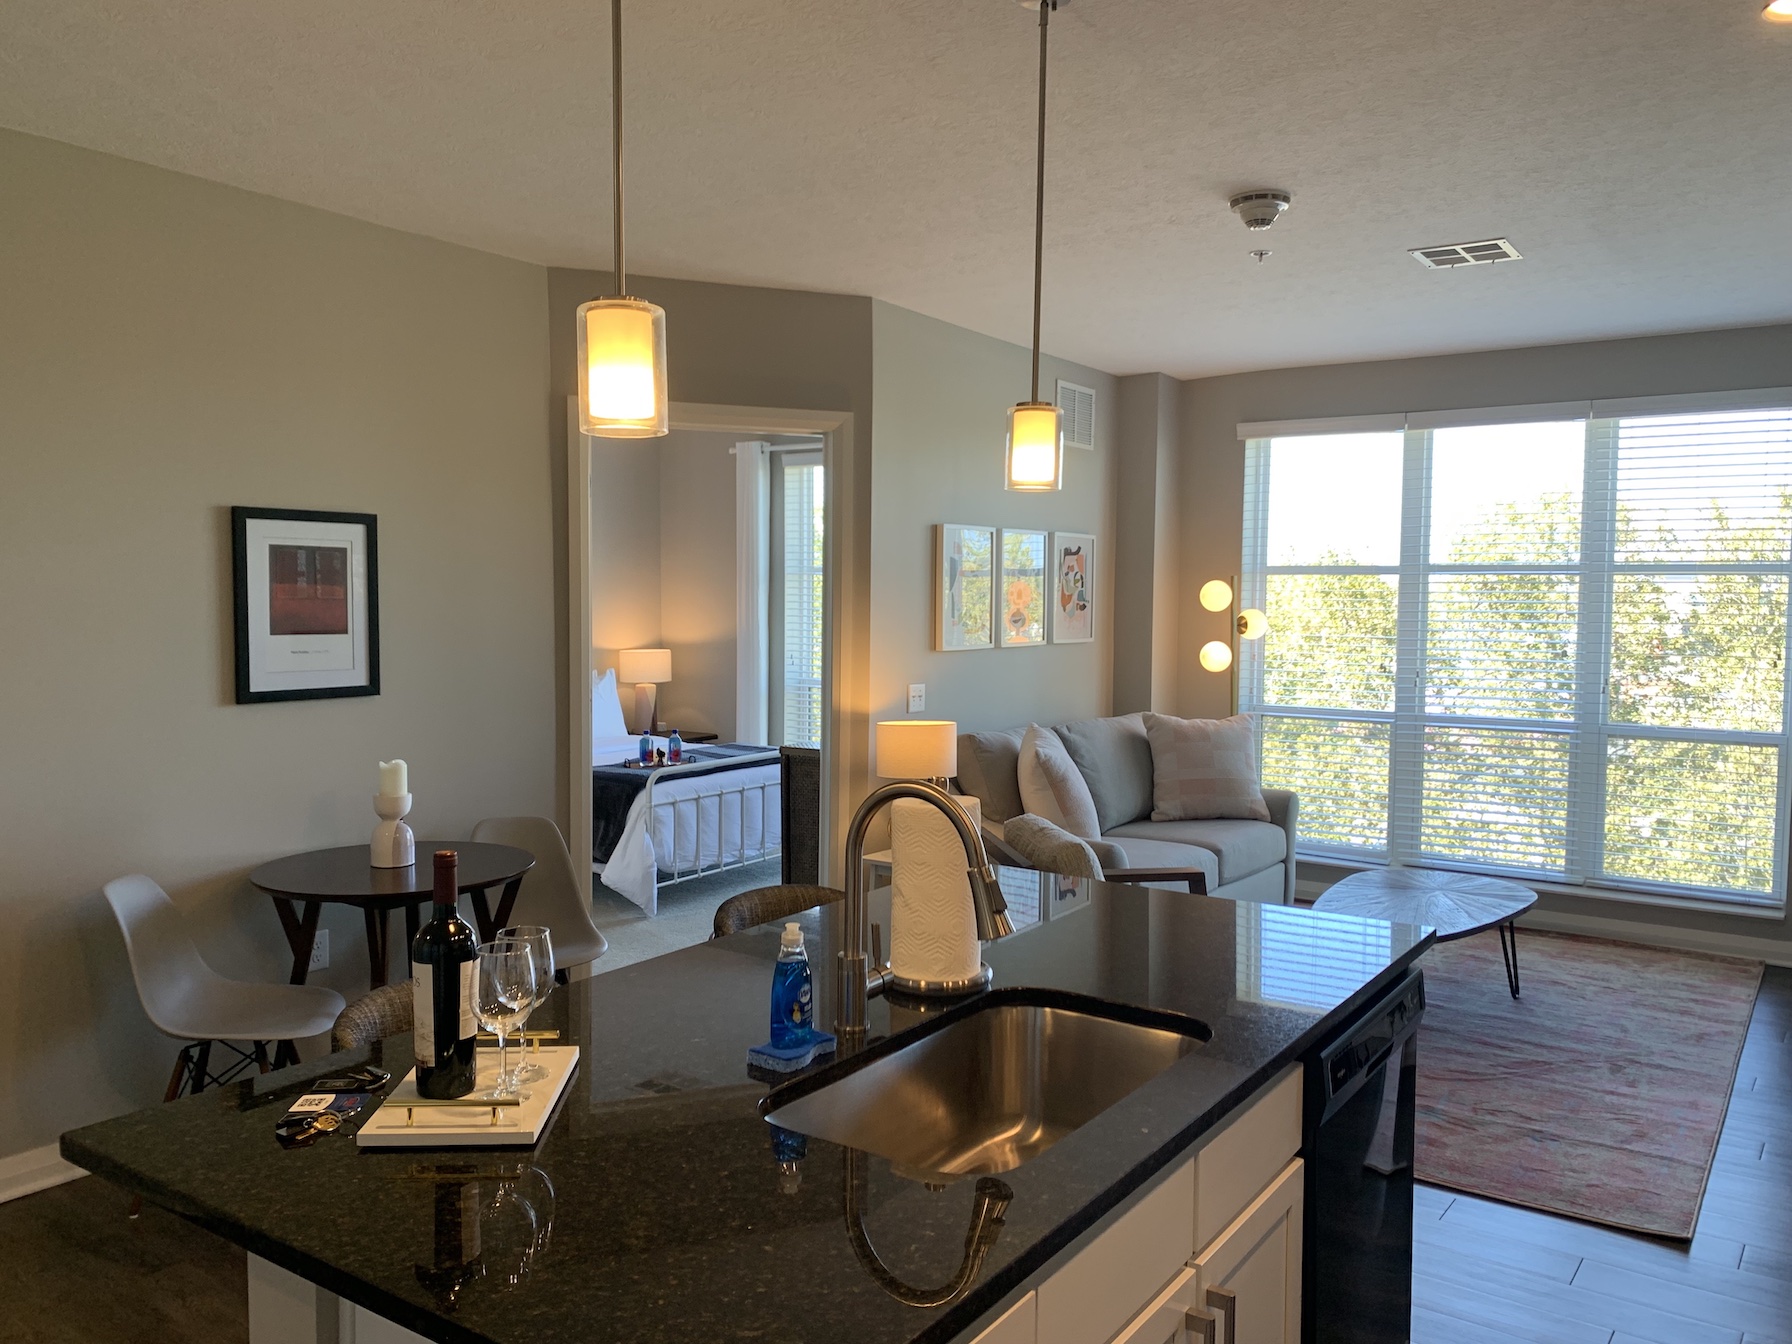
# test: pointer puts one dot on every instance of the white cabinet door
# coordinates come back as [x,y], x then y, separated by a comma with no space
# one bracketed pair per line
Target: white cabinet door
[1018,1325]
[1249,1277]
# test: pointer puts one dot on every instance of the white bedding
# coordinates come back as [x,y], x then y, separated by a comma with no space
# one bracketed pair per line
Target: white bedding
[681,824]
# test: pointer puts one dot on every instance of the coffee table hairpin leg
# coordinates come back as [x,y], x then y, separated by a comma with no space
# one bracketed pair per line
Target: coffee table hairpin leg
[1509,954]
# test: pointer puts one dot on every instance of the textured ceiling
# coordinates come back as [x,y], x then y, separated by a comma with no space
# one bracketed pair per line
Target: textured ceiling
[1638,154]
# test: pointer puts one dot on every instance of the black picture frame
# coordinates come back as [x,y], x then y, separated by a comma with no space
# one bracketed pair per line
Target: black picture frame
[241,563]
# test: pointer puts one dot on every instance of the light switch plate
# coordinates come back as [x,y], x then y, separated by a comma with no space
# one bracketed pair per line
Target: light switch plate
[320,951]
[917,696]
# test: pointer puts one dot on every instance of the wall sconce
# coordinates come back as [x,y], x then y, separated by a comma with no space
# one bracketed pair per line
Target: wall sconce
[1221,655]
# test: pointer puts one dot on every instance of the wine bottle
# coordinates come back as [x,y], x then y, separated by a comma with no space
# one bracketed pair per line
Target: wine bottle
[444,971]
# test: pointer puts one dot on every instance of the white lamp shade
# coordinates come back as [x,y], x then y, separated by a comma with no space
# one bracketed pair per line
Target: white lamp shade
[1216,655]
[638,665]
[1035,447]
[917,749]
[1216,594]
[622,369]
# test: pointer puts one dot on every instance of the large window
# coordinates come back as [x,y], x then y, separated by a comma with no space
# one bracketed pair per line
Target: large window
[1552,648]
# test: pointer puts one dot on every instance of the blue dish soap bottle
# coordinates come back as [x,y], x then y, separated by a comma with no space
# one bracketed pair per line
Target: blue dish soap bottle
[793,992]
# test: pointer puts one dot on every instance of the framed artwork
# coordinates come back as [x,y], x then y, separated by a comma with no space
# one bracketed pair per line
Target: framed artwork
[307,604]
[1022,620]
[964,572]
[1073,588]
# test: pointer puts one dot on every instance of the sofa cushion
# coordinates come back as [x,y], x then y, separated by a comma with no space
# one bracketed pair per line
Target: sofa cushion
[1052,787]
[1149,853]
[1204,768]
[1115,758]
[1050,848]
[1240,848]
[989,770]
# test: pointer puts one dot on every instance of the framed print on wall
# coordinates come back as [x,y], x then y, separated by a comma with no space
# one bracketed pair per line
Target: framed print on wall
[1073,588]
[1022,620]
[307,604]
[964,570]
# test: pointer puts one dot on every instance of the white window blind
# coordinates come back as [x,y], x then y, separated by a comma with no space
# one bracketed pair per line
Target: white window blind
[798,504]
[1552,649]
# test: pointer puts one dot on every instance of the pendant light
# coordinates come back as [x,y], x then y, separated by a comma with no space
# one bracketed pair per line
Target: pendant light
[622,340]
[1035,458]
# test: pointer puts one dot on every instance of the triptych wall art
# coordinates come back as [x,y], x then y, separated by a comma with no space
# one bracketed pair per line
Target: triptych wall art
[1011,587]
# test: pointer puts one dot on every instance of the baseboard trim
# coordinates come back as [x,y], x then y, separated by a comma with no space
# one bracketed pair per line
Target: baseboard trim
[1773,951]
[34,1169]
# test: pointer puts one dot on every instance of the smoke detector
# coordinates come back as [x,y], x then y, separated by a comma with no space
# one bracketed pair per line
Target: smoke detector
[1259,209]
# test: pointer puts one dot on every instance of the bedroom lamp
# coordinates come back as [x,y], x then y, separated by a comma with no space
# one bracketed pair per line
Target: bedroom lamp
[1035,457]
[917,749]
[622,340]
[645,667]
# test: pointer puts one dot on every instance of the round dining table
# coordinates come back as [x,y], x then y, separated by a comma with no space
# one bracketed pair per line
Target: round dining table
[343,876]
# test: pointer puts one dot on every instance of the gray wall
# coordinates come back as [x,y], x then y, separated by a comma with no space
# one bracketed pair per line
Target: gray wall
[1212,485]
[625,552]
[939,426]
[169,348]
[1147,544]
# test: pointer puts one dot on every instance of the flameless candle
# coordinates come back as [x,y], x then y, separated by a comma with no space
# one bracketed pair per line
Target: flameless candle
[394,778]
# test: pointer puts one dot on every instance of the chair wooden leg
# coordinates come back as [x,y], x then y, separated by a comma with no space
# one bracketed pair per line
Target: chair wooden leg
[285,1052]
[176,1078]
[261,1056]
[202,1062]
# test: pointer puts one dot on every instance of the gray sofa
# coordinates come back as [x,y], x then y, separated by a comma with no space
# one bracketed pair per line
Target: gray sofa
[1243,860]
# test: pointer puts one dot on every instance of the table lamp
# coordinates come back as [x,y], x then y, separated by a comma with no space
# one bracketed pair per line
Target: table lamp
[917,749]
[645,667]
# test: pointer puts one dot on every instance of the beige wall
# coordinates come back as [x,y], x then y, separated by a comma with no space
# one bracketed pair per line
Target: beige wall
[938,429]
[625,553]
[1148,586]
[169,348]
[1212,484]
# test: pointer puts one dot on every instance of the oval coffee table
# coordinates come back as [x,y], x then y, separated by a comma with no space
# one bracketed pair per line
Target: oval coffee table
[1455,904]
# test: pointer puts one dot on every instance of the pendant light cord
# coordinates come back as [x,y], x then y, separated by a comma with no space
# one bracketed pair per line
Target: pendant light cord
[1045,13]
[616,133]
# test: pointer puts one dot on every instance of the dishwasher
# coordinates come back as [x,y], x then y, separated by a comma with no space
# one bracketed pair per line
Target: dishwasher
[1360,1090]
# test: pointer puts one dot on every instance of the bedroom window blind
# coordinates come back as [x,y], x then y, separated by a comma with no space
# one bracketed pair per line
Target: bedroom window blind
[1550,648]
[798,503]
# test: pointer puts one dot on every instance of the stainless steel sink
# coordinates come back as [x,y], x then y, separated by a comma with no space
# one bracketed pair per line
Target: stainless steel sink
[991,1086]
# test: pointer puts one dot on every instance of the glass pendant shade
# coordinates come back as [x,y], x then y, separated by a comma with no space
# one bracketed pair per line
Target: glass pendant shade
[622,369]
[1216,594]
[1216,655]
[1252,624]
[1779,11]
[1035,447]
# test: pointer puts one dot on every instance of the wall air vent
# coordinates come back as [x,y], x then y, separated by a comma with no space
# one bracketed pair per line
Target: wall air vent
[1077,407]
[1484,253]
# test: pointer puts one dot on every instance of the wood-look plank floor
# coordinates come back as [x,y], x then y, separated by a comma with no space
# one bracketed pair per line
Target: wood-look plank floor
[1485,1272]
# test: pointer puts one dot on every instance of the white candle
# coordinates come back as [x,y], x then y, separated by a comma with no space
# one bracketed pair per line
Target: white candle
[395,778]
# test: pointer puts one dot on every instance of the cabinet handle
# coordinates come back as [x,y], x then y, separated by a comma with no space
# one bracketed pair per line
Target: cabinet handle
[1224,1299]
[1199,1326]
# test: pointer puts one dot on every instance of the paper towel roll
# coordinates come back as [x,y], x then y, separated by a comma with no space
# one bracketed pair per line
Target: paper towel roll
[933,927]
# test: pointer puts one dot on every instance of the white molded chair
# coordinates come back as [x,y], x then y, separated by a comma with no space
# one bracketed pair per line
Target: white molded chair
[191,1002]
[550,895]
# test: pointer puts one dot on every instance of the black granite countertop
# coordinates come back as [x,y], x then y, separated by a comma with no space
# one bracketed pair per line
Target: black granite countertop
[671,1220]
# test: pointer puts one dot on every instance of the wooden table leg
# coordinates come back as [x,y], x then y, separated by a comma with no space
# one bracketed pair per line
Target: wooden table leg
[412,923]
[482,913]
[377,948]
[301,933]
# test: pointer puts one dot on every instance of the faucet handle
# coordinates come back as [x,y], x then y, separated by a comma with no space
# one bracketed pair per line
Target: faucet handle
[877,947]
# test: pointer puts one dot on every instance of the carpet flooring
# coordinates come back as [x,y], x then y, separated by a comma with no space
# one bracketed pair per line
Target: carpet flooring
[1599,1094]
[686,914]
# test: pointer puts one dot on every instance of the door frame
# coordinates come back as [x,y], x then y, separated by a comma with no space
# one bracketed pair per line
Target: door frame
[835,429]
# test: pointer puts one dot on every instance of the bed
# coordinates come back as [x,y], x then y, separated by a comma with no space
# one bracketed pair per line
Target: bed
[720,808]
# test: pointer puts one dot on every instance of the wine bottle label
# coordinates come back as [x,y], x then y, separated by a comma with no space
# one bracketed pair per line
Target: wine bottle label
[423,1008]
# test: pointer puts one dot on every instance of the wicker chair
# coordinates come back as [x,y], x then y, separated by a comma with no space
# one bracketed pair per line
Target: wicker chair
[769,903]
[383,1012]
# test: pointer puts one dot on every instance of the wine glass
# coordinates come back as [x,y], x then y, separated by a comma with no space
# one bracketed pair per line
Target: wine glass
[504,993]
[541,951]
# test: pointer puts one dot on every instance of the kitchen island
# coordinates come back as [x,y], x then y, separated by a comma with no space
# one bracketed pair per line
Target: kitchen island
[661,1206]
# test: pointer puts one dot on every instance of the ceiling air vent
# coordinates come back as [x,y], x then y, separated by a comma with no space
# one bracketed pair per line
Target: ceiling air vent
[1077,406]
[1484,253]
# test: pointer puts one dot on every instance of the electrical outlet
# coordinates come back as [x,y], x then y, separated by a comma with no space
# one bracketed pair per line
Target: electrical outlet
[917,696]
[320,951]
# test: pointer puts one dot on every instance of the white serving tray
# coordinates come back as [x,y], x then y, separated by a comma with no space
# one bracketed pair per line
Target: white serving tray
[424,1125]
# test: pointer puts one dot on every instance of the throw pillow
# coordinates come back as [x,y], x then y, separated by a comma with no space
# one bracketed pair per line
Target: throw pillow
[1052,787]
[606,709]
[1203,768]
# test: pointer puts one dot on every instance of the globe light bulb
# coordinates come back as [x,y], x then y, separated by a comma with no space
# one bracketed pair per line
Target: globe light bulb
[1780,11]
[1216,655]
[1216,594]
[1252,624]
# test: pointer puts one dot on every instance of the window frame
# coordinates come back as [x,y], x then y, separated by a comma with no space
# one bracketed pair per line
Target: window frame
[1589,730]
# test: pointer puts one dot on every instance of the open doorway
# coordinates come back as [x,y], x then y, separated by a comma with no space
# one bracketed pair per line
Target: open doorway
[705,569]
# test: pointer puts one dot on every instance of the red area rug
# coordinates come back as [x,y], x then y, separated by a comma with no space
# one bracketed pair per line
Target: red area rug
[1599,1094]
